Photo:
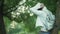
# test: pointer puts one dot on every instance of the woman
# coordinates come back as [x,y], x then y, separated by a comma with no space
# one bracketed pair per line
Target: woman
[45,18]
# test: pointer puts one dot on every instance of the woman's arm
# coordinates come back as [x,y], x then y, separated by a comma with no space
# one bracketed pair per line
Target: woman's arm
[35,9]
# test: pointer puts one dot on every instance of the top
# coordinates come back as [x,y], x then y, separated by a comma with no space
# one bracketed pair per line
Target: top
[44,17]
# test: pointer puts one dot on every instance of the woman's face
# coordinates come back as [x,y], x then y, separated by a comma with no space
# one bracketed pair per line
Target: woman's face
[41,5]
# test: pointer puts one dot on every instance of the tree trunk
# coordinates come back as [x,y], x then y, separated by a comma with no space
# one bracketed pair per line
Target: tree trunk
[56,29]
[2,26]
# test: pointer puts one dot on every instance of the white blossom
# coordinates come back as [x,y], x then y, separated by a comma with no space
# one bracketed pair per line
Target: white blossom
[31,14]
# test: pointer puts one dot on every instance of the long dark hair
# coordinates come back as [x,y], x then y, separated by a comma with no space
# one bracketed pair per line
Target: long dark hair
[40,8]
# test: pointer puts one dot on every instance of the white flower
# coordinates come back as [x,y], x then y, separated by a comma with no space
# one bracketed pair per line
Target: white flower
[21,2]
[13,24]
[31,14]
[28,11]
[18,13]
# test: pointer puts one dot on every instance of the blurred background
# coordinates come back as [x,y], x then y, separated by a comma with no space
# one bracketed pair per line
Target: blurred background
[19,20]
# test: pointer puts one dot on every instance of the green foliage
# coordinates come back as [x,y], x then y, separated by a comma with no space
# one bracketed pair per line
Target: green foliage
[7,21]
[8,4]
[25,22]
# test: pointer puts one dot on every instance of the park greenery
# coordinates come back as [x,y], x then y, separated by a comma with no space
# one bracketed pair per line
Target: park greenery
[18,18]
